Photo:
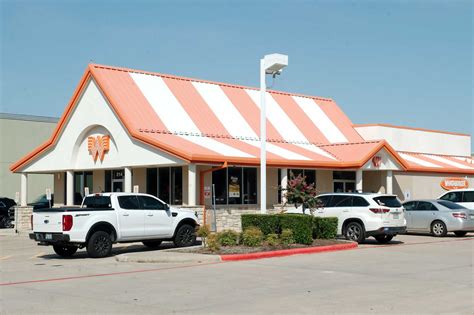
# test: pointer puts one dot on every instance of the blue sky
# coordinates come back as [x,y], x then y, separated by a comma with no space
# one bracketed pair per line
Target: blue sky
[397,62]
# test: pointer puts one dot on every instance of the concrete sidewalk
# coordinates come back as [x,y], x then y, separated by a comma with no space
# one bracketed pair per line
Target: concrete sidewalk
[167,256]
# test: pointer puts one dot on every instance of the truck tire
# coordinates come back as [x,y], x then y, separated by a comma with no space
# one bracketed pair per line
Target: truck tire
[185,236]
[65,251]
[152,244]
[99,245]
[383,239]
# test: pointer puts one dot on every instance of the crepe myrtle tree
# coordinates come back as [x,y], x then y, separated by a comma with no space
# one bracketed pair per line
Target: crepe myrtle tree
[298,192]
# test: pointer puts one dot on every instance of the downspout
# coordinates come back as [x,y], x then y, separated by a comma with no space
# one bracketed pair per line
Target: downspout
[201,186]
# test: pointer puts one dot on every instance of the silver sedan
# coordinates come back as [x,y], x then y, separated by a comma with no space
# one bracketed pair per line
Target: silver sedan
[438,217]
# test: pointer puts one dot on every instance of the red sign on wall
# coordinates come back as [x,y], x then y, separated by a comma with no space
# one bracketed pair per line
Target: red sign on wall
[377,161]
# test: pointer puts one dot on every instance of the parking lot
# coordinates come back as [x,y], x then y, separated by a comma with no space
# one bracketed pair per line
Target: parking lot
[413,274]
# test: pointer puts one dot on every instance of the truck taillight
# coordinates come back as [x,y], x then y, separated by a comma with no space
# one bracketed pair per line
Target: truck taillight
[31,222]
[379,210]
[67,222]
[460,215]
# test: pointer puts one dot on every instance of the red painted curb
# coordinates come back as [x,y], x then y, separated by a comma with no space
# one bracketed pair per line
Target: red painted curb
[288,252]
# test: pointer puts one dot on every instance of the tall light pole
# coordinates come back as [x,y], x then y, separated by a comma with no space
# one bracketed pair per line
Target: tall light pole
[270,64]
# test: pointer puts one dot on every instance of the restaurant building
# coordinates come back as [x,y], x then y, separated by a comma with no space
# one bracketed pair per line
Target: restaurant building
[176,138]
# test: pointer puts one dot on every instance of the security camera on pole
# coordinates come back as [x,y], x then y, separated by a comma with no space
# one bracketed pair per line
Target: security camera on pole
[273,65]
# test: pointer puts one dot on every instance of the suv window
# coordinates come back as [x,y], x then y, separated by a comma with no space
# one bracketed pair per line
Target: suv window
[323,201]
[101,202]
[410,206]
[450,205]
[426,206]
[388,201]
[128,202]
[454,196]
[341,201]
[468,196]
[359,202]
[150,203]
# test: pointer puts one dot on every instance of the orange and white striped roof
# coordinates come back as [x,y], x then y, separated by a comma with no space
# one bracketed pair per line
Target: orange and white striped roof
[201,121]
[438,163]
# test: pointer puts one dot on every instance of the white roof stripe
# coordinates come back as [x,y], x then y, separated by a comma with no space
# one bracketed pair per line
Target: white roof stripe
[284,153]
[464,159]
[175,117]
[164,103]
[449,162]
[417,160]
[320,119]
[277,116]
[315,149]
[225,111]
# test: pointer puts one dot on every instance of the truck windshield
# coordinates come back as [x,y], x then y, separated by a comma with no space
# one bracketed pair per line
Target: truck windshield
[388,201]
[101,202]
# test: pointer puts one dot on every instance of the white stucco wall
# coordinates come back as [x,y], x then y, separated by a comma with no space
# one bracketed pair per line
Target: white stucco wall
[418,140]
[93,116]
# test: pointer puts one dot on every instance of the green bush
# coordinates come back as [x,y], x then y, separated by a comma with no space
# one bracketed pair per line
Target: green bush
[203,232]
[252,236]
[325,228]
[286,237]
[300,224]
[267,223]
[213,242]
[228,238]
[272,239]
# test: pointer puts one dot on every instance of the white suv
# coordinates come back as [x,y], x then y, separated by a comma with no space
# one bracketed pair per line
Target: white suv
[361,215]
[464,197]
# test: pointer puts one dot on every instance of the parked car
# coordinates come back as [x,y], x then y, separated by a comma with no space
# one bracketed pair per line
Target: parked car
[464,197]
[42,202]
[108,218]
[5,212]
[361,215]
[438,217]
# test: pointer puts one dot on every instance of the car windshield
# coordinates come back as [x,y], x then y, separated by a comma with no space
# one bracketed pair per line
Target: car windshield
[450,205]
[102,202]
[388,201]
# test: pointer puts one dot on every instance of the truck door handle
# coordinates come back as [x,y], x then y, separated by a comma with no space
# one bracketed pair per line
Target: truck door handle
[345,210]
[150,215]
[126,214]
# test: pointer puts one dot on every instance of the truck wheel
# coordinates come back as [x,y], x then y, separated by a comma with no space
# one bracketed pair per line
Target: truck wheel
[99,245]
[383,239]
[185,236]
[65,251]
[152,244]
[354,231]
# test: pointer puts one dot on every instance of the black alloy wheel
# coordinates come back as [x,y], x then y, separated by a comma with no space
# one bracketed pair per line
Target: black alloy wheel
[355,232]
[65,251]
[99,245]
[185,236]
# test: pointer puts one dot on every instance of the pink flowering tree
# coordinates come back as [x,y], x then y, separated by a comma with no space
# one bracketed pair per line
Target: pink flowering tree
[298,192]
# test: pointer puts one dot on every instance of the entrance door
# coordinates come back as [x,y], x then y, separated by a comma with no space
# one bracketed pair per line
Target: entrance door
[117,181]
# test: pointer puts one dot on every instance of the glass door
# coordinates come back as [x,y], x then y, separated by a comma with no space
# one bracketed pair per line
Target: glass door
[117,180]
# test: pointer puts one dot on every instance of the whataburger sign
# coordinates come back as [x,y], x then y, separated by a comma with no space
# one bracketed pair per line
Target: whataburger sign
[454,183]
[98,146]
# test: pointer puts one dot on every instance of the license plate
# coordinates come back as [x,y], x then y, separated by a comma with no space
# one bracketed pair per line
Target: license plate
[395,215]
[48,236]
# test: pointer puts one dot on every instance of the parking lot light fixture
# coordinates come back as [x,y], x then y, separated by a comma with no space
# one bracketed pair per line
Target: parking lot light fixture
[271,64]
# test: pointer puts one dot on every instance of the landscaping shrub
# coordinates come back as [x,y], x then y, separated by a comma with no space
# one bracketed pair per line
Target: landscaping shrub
[228,238]
[203,232]
[325,228]
[272,239]
[213,242]
[267,223]
[300,224]
[252,237]
[286,237]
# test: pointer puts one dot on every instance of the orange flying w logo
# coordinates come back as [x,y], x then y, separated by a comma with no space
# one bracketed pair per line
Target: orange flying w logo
[98,146]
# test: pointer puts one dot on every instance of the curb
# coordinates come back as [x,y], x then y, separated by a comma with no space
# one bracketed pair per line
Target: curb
[288,252]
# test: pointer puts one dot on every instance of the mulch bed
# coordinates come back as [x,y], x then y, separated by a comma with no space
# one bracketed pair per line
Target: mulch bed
[228,250]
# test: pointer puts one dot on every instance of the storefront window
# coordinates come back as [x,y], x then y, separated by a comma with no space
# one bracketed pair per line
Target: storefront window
[235,185]
[343,181]
[81,180]
[165,183]
[309,174]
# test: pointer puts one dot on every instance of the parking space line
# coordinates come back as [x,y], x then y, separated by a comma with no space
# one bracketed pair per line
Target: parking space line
[5,257]
[368,246]
[37,255]
[106,274]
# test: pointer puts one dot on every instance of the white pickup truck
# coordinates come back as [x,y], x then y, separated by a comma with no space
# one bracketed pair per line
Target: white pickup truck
[107,218]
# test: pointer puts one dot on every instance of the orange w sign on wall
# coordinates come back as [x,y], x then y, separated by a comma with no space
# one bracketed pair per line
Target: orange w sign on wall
[98,146]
